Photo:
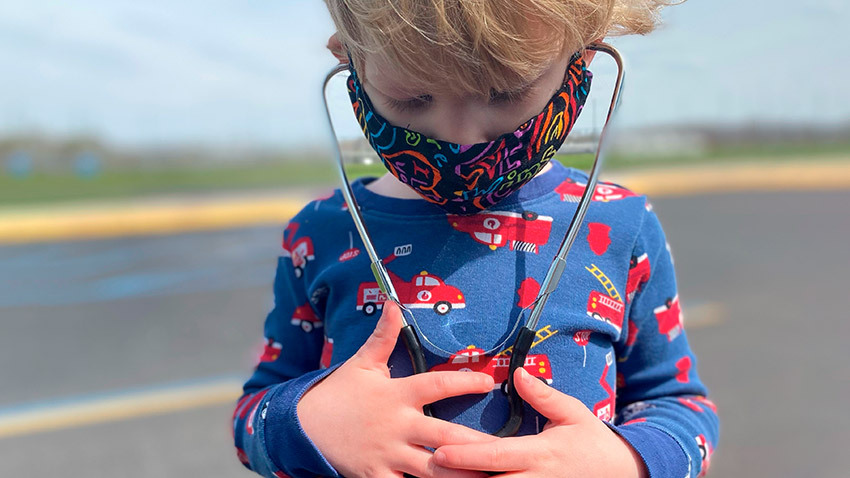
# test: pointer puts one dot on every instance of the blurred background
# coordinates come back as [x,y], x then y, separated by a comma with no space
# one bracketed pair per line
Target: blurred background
[151,152]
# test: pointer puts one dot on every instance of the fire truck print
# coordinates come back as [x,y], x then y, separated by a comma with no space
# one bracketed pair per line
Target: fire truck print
[246,409]
[305,318]
[638,275]
[669,318]
[606,308]
[300,251]
[633,409]
[271,350]
[604,410]
[473,359]
[697,402]
[571,191]
[243,457]
[425,291]
[683,365]
[327,352]
[524,232]
[705,452]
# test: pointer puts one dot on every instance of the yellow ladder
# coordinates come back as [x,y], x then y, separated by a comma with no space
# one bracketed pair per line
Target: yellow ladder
[605,281]
[541,335]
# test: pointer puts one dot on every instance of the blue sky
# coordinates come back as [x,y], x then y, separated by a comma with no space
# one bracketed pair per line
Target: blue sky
[248,72]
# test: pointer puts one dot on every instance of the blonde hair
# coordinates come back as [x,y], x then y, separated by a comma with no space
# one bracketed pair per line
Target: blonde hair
[470,46]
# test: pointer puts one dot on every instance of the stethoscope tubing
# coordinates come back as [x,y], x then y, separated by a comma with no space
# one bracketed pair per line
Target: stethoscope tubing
[525,337]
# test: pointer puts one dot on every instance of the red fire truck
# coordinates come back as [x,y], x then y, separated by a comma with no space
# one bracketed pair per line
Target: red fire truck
[571,191]
[473,359]
[422,292]
[522,232]
[305,318]
[638,275]
[301,251]
[246,409]
[696,402]
[669,318]
[705,452]
[606,308]
[683,365]
[327,353]
[604,410]
[271,351]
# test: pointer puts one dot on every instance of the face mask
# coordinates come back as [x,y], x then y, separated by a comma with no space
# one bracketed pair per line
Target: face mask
[466,179]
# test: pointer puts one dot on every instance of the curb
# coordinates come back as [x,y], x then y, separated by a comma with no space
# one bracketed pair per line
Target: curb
[154,217]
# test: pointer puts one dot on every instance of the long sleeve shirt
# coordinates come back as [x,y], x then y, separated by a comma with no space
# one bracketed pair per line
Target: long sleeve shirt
[611,334]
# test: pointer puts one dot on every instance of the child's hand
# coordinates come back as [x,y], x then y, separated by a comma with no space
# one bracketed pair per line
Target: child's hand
[368,424]
[573,443]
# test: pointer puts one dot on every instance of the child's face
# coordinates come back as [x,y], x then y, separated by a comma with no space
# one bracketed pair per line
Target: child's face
[453,118]
[459,119]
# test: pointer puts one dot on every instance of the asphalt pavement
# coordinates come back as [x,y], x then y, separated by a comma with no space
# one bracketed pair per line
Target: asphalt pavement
[763,281]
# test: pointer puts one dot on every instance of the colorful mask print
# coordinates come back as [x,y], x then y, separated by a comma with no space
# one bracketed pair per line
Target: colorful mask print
[466,179]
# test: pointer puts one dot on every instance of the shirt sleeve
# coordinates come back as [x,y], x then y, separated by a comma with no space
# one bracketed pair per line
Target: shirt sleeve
[662,406]
[268,436]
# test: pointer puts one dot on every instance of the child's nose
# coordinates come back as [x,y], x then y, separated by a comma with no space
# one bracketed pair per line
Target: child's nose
[462,125]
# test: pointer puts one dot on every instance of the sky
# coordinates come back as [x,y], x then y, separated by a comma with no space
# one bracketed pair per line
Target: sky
[249,72]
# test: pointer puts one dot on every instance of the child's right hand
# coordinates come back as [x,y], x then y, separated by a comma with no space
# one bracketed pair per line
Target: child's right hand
[368,424]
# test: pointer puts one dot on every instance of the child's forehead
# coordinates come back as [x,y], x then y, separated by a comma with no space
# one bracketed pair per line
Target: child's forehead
[394,80]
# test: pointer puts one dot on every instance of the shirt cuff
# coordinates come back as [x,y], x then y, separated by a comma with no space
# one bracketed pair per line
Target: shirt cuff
[287,445]
[661,453]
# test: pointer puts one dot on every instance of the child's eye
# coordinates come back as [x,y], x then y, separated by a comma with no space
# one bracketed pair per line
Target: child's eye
[508,97]
[416,103]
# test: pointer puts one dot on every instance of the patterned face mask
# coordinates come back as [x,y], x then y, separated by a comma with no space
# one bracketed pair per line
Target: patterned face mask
[466,179]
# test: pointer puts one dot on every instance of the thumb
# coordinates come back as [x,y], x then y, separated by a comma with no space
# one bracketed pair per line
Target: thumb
[558,407]
[379,345]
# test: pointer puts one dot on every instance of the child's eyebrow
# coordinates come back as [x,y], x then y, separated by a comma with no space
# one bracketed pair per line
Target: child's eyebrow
[392,92]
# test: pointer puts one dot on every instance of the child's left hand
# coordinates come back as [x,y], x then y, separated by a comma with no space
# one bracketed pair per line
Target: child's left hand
[573,443]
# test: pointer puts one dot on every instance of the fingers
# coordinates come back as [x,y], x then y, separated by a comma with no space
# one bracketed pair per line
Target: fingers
[417,462]
[505,454]
[434,433]
[379,346]
[558,407]
[425,388]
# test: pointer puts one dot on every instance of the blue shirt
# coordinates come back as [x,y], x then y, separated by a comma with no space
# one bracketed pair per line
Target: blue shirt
[611,335]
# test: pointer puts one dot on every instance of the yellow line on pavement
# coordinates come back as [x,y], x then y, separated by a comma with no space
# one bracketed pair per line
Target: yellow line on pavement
[752,176]
[108,409]
[146,217]
[140,218]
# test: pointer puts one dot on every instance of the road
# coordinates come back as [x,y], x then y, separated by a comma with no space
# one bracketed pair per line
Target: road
[763,279]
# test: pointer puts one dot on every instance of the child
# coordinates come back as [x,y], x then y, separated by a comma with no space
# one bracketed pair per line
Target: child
[467,234]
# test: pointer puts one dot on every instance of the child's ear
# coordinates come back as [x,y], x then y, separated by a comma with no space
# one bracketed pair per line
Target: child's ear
[589,54]
[335,46]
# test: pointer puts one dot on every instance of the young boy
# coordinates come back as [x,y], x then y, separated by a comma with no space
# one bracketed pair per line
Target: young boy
[466,102]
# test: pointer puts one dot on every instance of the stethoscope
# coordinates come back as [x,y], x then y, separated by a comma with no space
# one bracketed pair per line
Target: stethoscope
[527,333]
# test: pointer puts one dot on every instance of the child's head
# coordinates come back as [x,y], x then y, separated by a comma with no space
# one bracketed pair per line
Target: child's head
[483,92]
[473,46]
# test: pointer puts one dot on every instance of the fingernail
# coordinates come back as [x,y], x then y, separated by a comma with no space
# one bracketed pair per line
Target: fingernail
[439,457]
[523,375]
